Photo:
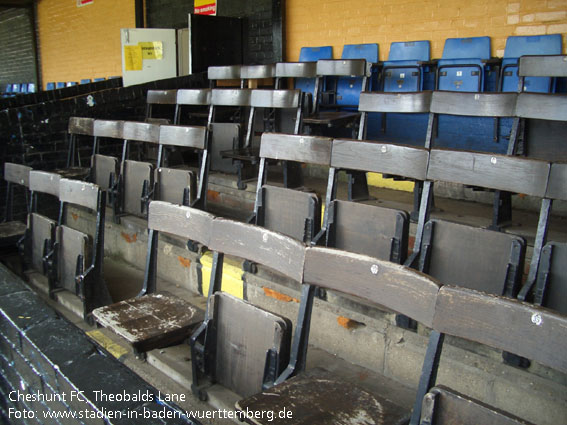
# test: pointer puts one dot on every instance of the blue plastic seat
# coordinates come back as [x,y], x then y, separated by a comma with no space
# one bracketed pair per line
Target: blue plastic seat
[311,54]
[85,80]
[16,88]
[462,66]
[71,83]
[50,86]
[60,85]
[517,46]
[402,72]
[348,88]
[99,79]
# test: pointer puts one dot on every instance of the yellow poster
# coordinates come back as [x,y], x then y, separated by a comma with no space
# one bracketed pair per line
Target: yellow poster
[205,7]
[133,58]
[151,49]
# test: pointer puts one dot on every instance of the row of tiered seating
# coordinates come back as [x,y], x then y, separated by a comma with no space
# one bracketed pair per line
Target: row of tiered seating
[264,356]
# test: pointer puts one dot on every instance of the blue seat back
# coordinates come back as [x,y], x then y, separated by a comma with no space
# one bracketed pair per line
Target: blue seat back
[461,67]
[60,85]
[50,86]
[85,80]
[311,54]
[349,88]
[402,71]
[517,46]
[99,79]
[9,88]
[16,88]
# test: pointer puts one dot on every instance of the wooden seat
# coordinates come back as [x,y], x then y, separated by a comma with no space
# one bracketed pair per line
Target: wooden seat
[10,230]
[156,100]
[152,319]
[79,127]
[318,397]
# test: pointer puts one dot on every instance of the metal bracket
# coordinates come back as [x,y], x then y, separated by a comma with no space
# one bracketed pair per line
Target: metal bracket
[513,271]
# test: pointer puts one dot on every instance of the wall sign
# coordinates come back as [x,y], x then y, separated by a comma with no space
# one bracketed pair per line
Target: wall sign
[205,7]
[84,2]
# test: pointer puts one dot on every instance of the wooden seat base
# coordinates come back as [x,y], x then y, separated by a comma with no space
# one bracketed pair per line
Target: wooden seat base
[317,398]
[151,321]
[332,118]
[10,233]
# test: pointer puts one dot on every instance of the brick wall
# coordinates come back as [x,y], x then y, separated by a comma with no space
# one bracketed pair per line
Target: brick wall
[82,42]
[339,22]
[17,47]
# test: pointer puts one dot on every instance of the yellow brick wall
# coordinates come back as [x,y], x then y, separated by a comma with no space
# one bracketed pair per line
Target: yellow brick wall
[82,42]
[339,22]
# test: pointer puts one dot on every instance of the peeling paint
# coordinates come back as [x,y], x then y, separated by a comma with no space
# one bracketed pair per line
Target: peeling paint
[185,262]
[347,323]
[130,238]
[278,295]
[213,195]
[75,216]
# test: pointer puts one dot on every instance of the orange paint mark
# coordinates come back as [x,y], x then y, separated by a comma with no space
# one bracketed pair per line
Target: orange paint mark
[347,323]
[129,238]
[213,195]
[185,262]
[279,296]
[75,216]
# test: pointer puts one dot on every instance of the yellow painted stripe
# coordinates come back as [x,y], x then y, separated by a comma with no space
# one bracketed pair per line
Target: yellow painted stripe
[112,347]
[231,275]
[375,179]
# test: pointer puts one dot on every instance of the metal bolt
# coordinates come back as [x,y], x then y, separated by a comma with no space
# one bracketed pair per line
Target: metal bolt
[493,160]
[265,237]
[536,319]
[384,149]
[188,214]
[374,269]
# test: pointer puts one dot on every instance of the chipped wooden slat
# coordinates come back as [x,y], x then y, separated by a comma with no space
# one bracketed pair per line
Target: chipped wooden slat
[42,228]
[542,106]
[386,284]
[79,193]
[258,71]
[513,174]
[395,102]
[151,321]
[172,182]
[231,97]
[543,66]
[557,185]
[241,350]
[271,249]
[503,323]
[474,104]
[228,72]
[275,98]
[141,131]
[108,128]
[398,160]
[296,69]
[194,97]
[72,243]
[80,125]
[341,67]
[135,173]
[17,173]
[162,97]
[45,182]
[184,136]
[103,166]
[288,147]
[186,222]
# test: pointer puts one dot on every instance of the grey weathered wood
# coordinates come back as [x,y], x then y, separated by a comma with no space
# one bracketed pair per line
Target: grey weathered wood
[42,228]
[286,211]
[257,71]
[542,106]
[393,286]
[506,324]
[366,229]
[470,256]
[151,321]
[141,131]
[543,66]
[134,174]
[79,193]
[271,249]
[307,149]
[275,98]
[107,128]
[395,102]
[194,97]
[318,397]
[45,182]
[386,158]
[231,97]
[171,183]
[230,72]
[102,166]
[17,173]
[186,222]
[341,67]
[443,406]
[241,350]
[557,184]
[79,125]
[474,104]
[184,136]
[513,174]
[162,97]
[72,243]
[556,292]
[296,69]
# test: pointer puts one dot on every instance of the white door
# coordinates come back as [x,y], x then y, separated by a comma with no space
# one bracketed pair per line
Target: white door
[148,54]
